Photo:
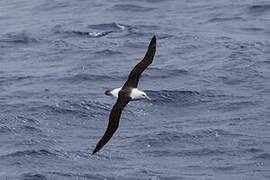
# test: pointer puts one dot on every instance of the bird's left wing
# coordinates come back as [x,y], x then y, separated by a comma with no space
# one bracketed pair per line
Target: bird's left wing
[136,72]
[114,119]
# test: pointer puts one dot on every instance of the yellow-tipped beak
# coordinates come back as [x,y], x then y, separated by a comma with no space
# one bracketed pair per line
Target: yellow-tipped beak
[147,98]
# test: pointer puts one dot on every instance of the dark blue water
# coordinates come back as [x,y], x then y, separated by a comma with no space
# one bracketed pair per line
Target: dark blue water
[210,114]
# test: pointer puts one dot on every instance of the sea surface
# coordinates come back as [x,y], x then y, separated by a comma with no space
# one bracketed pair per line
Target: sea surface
[209,118]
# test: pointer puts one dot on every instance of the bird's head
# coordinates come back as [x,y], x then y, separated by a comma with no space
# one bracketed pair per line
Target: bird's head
[143,95]
[108,92]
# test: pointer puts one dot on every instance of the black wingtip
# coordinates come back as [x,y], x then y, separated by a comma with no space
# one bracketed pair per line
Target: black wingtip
[152,42]
[95,150]
[153,39]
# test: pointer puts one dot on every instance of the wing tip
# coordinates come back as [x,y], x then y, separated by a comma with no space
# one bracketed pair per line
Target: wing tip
[152,43]
[95,150]
[153,40]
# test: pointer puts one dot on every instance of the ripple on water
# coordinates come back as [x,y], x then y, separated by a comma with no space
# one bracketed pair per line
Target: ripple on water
[259,8]
[225,19]
[18,38]
[262,156]
[109,27]
[33,176]
[70,175]
[107,52]
[79,78]
[79,32]
[4,130]
[173,96]
[131,7]
[31,153]
[90,34]
[167,138]
[162,73]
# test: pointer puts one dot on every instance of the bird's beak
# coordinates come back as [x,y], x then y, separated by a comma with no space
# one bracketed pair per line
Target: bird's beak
[147,98]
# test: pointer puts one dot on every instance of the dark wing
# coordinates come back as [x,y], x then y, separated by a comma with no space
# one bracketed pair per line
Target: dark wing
[136,72]
[114,119]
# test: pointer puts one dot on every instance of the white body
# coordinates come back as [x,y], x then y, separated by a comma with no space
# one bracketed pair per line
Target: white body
[115,92]
[135,94]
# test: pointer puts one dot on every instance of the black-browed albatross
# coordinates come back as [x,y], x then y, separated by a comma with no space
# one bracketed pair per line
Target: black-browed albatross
[127,93]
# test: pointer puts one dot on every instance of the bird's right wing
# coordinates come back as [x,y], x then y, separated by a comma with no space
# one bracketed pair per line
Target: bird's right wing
[114,119]
[136,72]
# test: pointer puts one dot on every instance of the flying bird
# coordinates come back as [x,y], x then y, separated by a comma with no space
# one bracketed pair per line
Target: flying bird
[127,93]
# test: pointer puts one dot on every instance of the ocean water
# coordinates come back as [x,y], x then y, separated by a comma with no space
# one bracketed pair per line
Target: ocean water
[210,114]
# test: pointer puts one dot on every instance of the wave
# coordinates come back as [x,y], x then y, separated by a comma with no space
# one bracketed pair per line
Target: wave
[107,52]
[186,153]
[18,38]
[259,8]
[5,130]
[101,30]
[15,78]
[225,168]
[223,19]
[134,30]
[27,119]
[160,138]
[50,6]
[166,138]
[173,96]
[236,105]
[98,30]
[32,153]
[109,27]
[81,109]
[164,73]
[172,143]
[190,98]
[58,29]
[262,156]
[78,78]
[33,176]
[131,7]
[90,34]
[254,29]
[62,44]
[30,129]
[75,175]
[253,150]
[146,27]
[60,175]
